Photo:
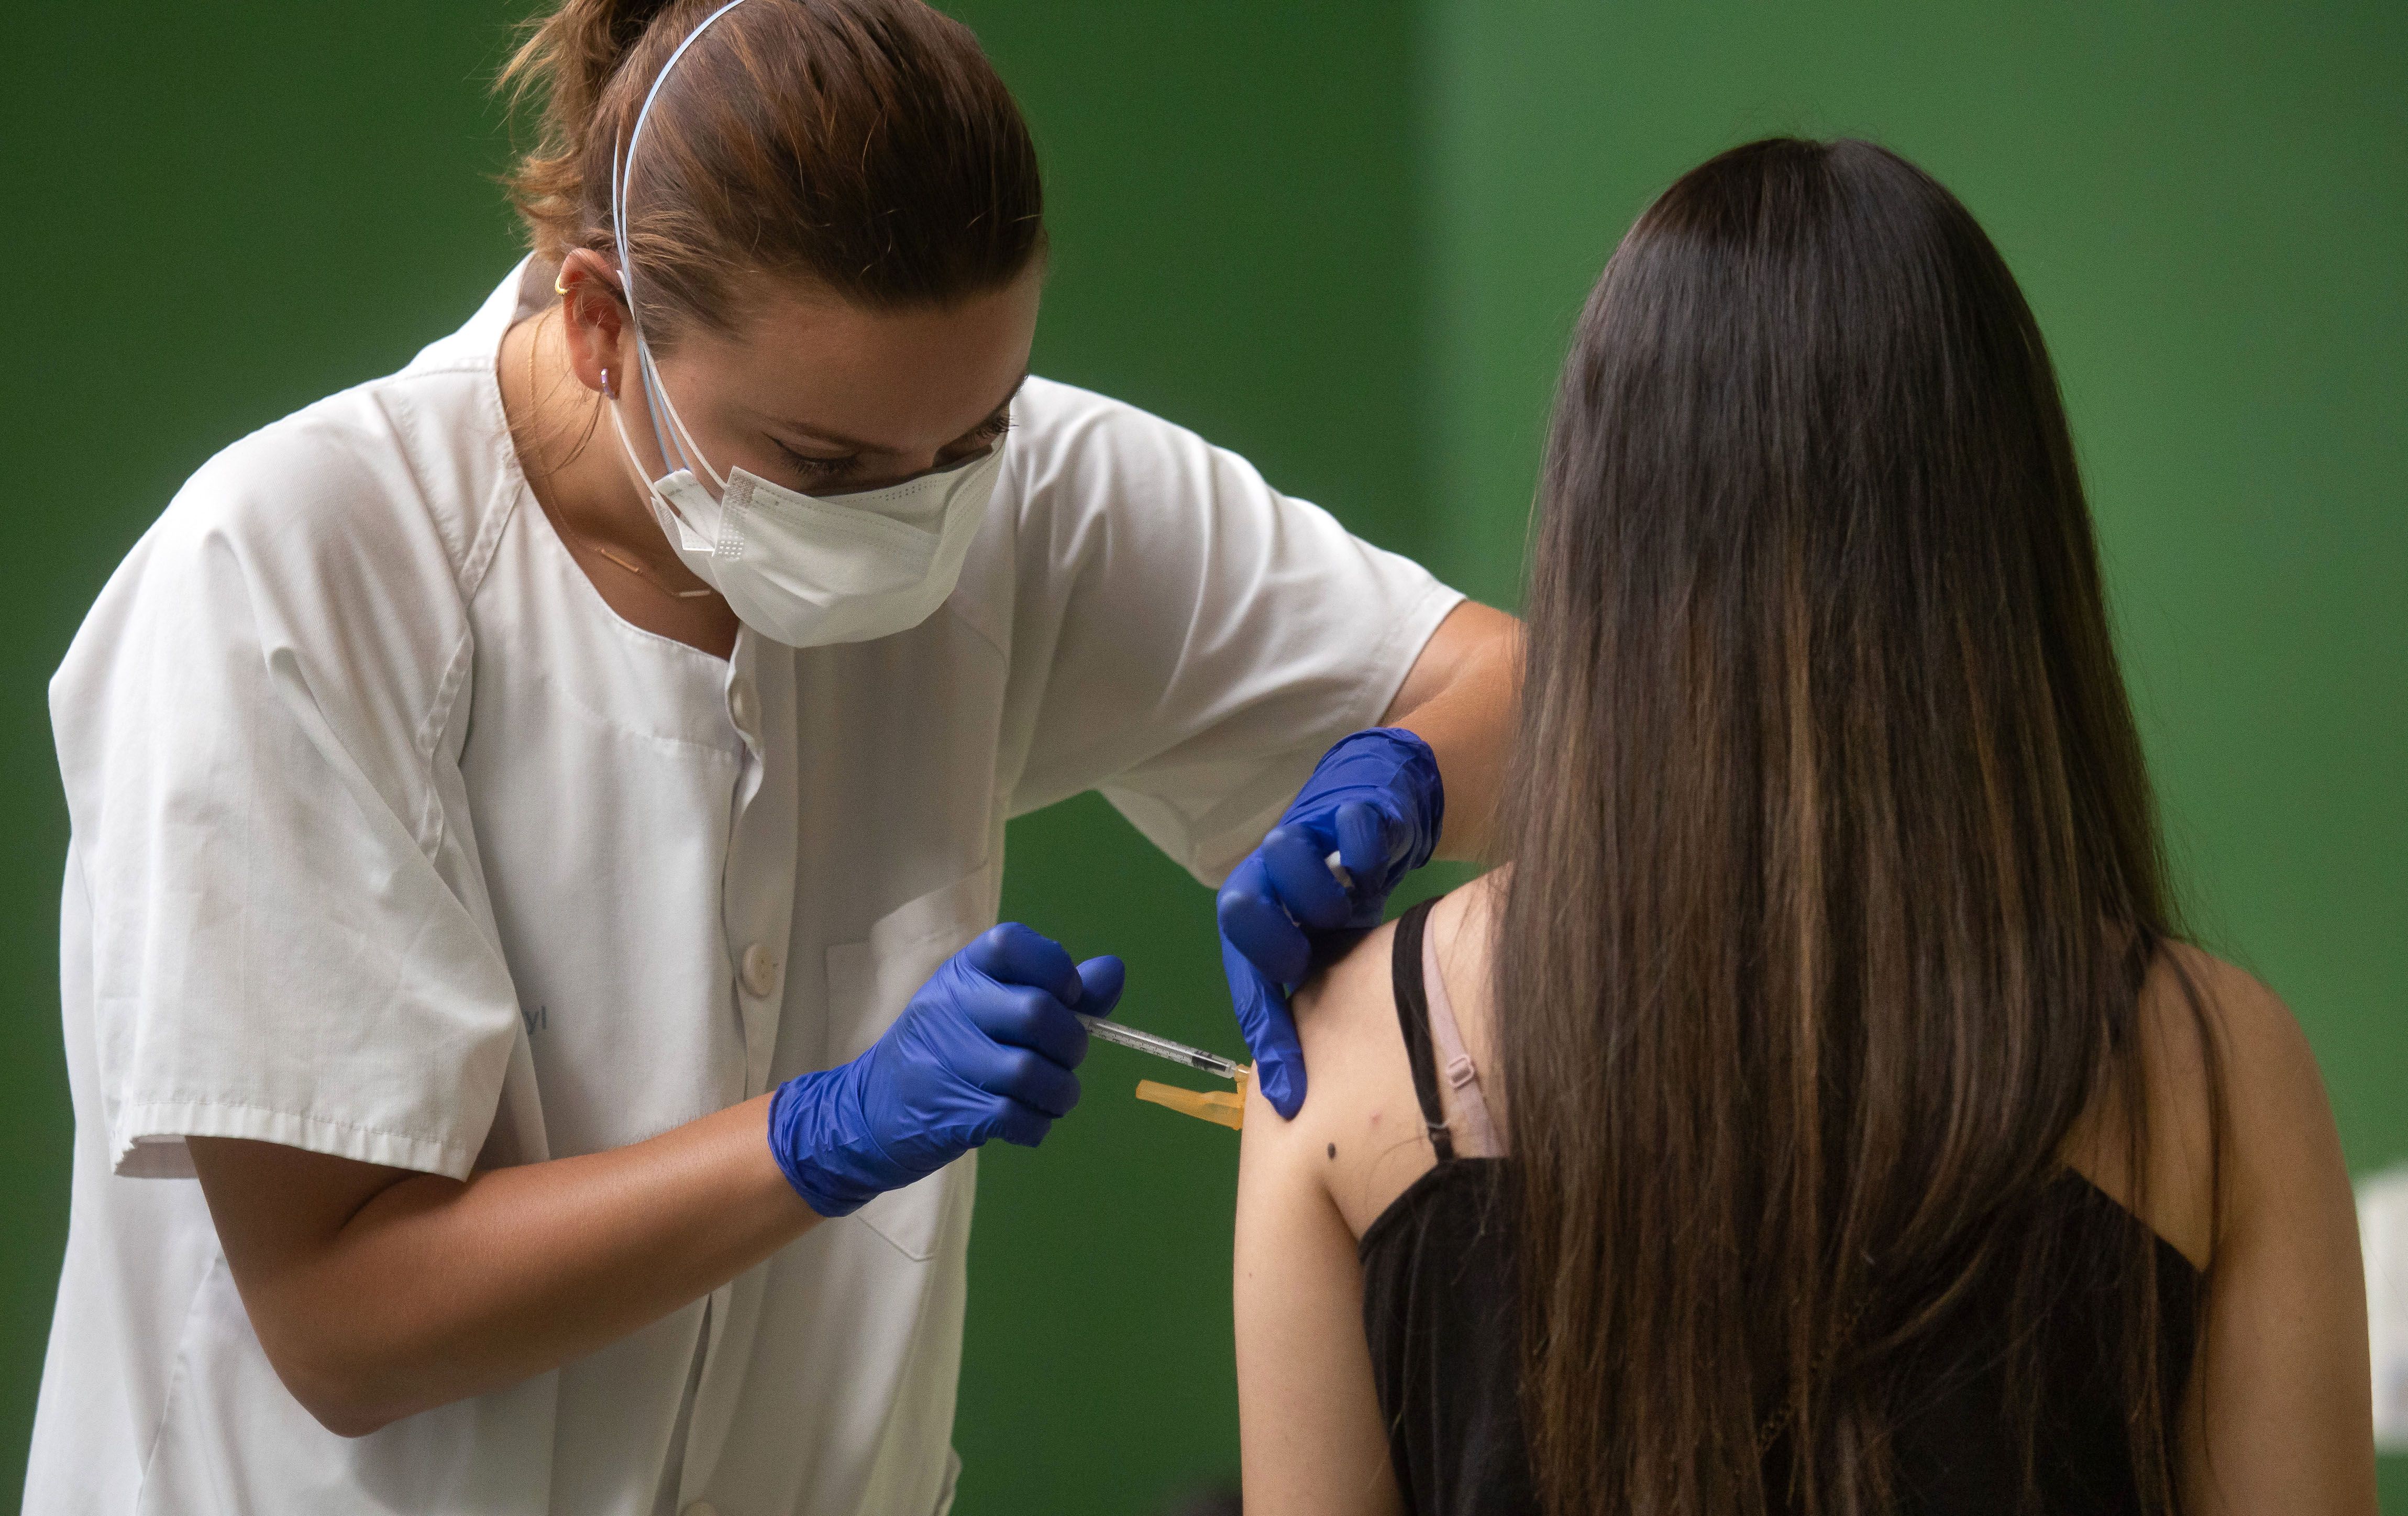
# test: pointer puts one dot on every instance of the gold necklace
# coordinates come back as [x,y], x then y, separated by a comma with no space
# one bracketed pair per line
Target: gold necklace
[649,577]
[560,516]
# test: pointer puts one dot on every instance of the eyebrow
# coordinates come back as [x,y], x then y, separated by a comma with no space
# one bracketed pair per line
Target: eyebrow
[839,440]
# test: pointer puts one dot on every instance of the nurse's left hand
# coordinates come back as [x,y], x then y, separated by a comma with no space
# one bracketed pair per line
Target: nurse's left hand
[1376,802]
[984,1049]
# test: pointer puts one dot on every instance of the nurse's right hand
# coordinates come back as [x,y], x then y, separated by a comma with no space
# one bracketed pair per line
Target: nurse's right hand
[985,1050]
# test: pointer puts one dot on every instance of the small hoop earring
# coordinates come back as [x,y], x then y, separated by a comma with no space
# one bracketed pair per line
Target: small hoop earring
[557,287]
[608,393]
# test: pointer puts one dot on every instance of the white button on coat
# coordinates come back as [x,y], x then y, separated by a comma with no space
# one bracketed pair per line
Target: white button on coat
[759,970]
[391,841]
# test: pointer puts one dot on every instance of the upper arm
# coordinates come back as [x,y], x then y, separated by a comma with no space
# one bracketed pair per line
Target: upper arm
[1184,635]
[1310,1425]
[277,1209]
[1470,634]
[280,1214]
[2281,1400]
[282,943]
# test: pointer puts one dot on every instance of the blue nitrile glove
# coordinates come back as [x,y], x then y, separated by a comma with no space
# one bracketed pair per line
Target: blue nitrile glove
[1375,800]
[984,1049]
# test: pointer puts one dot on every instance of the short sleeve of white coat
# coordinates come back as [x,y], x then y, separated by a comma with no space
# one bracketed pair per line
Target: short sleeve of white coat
[290,940]
[1186,637]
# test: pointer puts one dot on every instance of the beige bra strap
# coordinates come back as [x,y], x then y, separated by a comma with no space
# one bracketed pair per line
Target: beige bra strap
[1454,1064]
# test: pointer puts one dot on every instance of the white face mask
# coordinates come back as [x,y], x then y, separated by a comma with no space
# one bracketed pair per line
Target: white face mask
[800,571]
[809,572]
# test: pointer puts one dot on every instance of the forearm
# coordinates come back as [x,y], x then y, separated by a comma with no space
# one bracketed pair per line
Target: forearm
[436,1288]
[1462,698]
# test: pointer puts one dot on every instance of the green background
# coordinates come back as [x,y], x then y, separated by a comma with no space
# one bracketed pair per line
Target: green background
[1346,239]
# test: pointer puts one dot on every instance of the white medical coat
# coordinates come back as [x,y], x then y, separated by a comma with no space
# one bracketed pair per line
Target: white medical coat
[390,840]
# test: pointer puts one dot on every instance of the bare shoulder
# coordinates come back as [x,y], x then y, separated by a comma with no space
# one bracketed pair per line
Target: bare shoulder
[2281,1408]
[2284,1145]
[1360,1128]
[2215,1042]
[2250,1019]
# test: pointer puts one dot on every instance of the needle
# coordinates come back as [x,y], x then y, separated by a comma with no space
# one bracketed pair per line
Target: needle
[1161,1047]
[1180,1053]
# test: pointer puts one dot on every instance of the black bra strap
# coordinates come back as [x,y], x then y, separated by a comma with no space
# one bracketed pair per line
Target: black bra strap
[1412,1016]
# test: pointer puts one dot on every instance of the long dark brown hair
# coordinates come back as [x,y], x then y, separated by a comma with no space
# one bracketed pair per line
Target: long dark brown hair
[1837,870]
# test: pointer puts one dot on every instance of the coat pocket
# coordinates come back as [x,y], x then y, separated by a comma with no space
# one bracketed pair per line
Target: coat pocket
[869,982]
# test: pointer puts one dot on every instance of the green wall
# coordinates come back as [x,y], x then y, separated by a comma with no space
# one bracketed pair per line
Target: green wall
[1346,239]
[1232,192]
[210,216]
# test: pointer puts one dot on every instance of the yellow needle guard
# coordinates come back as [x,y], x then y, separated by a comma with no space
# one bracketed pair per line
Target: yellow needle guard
[1222,1107]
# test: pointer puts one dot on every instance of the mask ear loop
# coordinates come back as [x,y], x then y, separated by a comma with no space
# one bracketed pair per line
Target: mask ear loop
[673,456]
[635,465]
[656,400]
[687,451]
[671,461]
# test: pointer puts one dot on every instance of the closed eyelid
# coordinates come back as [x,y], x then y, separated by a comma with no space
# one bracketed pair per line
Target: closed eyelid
[986,436]
[793,451]
[820,468]
[986,430]
[994,426]
[997,422]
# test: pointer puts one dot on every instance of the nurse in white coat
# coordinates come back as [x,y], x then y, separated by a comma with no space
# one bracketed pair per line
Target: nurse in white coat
[537,817]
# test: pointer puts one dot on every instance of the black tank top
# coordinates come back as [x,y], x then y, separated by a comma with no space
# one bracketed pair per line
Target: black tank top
[1440,1311]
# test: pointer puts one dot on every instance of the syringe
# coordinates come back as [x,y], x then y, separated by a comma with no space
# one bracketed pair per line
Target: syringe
[1161,1047]
[1180,1053]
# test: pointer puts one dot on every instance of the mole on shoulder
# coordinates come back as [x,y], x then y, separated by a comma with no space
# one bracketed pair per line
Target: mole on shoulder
[1333,1150]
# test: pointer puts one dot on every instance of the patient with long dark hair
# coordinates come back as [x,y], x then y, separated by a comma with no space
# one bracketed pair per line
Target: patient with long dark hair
[1823,1113]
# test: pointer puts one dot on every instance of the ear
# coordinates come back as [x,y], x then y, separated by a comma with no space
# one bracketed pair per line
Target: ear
[596,322]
